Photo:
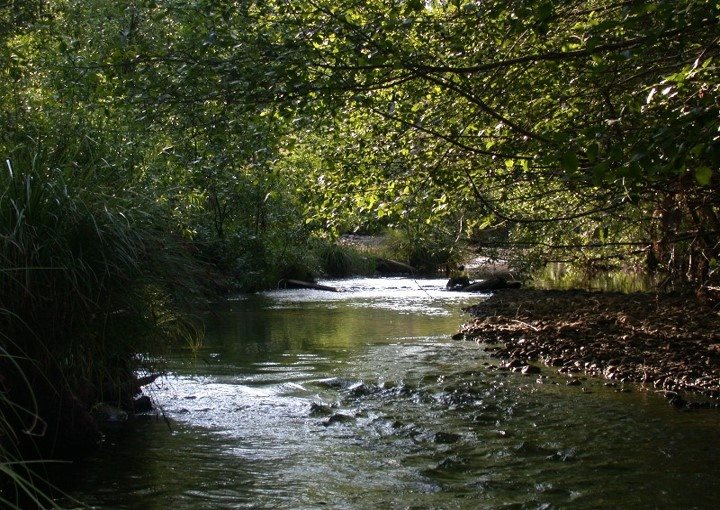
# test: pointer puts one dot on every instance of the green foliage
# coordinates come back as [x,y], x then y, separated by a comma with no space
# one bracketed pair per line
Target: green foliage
[617,278]
[73,249]
[13,475]
[428,252]
[342,261]
[558,119]
[89,281]
[145,135]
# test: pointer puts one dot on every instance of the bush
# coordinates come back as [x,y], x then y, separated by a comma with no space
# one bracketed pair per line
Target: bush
[428,253]
[345,261]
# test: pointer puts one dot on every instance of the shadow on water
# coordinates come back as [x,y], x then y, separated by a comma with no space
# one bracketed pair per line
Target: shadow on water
[361,400]
[558,275]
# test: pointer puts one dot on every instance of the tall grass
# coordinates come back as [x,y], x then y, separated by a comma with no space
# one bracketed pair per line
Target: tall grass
[90,277]
[428,252]
[79,263]
[343,261]
[18,481]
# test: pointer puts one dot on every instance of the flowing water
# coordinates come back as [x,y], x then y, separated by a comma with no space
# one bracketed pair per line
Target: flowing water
[360,400]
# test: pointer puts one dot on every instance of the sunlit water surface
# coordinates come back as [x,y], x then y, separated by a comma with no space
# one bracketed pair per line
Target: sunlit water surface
[360,399]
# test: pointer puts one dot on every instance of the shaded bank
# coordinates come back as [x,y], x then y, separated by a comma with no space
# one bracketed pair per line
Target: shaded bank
[95,285]
[668,343]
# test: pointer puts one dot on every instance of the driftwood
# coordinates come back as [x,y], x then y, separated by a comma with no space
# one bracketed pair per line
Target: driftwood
[495,283]
[299,284]
[387,266]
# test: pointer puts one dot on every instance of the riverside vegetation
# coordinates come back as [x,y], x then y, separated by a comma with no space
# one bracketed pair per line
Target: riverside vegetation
[157,154]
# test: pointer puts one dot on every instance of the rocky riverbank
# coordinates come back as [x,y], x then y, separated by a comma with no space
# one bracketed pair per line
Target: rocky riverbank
[665,343]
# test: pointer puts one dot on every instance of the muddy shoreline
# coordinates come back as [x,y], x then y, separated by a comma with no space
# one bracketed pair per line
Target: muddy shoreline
[664,343]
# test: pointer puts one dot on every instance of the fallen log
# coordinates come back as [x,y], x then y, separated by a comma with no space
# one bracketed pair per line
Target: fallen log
[387,266]
[492,284]
[299,284]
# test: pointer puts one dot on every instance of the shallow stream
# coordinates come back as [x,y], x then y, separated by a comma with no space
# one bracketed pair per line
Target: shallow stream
[360,400]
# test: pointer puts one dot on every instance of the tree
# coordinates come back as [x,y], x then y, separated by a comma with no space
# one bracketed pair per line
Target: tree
[589,125]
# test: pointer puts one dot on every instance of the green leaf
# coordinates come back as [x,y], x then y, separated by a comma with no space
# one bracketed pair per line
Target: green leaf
[569,162]
[697,149]
[599,172]
[703,175]
[544,11]
[592,152]
[415,5]
[592,43]
[600,234]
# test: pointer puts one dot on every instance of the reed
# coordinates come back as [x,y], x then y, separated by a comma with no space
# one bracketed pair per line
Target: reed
[343,261]
[93,281]
[19,481]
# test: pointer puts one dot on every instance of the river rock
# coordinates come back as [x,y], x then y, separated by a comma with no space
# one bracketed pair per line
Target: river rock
[334,383]
[320,409]
[446,438]
[457,283]
[338,418]
[360,389]
[675,399]
[142,404]
[530,369]
[513,363]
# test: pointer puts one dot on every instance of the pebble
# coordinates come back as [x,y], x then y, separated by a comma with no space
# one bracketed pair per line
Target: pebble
[622,337]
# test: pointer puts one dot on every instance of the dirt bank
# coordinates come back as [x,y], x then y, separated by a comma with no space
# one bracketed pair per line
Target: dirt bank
[666,343]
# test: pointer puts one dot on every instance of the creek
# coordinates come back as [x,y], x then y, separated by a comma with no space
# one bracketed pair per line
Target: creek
[360,400]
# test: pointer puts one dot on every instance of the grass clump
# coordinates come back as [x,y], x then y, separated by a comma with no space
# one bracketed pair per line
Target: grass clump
[90,277]
[342,261]
[429,253]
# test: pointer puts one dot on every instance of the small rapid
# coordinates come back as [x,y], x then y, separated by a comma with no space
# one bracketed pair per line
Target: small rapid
[360,399]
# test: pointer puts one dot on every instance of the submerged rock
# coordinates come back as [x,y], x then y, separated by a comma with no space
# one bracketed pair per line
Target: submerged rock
[334,383]
[675,399]
[107,413]
[338,418]
[320,409]
[530,369]
[446,438]
[142,404]
[457,283]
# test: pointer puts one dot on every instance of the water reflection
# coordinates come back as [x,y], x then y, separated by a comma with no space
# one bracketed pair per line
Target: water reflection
[304,399]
